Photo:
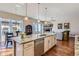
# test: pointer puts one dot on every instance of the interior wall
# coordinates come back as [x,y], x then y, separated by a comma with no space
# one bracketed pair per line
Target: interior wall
[7,15]
[74,26]
[10,16]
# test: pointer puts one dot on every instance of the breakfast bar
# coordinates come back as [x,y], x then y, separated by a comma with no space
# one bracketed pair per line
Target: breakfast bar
[34,45]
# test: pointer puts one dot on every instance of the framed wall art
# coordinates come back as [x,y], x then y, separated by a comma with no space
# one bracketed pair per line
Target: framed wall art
[60,26]
[66,25]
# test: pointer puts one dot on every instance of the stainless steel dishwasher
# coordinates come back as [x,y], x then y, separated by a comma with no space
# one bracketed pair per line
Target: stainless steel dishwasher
[39,47]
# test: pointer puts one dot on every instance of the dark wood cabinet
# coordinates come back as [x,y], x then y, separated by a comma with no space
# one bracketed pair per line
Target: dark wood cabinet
[65,35]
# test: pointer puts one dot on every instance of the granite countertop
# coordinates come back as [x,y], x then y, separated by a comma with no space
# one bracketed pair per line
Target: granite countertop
[30,38]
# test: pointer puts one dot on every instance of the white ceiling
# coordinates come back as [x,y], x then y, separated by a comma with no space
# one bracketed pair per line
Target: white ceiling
[54,10]
[15,8]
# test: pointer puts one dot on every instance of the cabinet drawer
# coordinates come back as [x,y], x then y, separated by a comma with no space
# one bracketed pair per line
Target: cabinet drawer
[30,44]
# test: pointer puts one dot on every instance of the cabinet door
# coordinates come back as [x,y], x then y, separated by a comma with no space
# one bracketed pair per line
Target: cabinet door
[29,49]
[55,41]
[19,50]
[76,49]
[51,41]
[45,44]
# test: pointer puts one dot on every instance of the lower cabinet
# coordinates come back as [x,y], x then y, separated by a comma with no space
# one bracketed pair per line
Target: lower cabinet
[77,49]
[26,49]
[49,42]
[36,47]
[29,49]
[18,50]
[46,44]
[77,45]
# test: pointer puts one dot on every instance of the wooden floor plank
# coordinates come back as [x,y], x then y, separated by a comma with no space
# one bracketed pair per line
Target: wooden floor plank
[63,48]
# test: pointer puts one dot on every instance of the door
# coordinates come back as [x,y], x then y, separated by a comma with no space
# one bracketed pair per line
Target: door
[4,29]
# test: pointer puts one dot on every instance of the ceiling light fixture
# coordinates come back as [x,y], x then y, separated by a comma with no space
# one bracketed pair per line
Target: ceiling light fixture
[38,21]
[26,18]
[38,12]
[45,22]
[45,16]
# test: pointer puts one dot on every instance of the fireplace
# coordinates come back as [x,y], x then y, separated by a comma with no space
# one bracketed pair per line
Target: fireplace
[28,30]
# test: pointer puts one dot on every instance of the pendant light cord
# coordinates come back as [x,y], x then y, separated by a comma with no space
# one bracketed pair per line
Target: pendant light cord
[46,13]
[38,20]
[38,10]
[26,9]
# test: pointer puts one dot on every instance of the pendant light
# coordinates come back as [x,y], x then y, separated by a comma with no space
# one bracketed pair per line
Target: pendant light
[26,18]
[45,15]
[38,20]
[38,12]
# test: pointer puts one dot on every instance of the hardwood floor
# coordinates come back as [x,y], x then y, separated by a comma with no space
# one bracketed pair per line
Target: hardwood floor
[6,52]
[63,48]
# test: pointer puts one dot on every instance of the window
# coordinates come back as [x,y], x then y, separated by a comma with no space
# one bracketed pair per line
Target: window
[37,28]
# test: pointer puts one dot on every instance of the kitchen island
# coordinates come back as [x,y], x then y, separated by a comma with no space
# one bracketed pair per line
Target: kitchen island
[34,45]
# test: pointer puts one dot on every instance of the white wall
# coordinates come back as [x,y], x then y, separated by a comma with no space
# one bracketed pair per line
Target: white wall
[15,8]
[74,25]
